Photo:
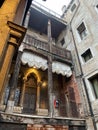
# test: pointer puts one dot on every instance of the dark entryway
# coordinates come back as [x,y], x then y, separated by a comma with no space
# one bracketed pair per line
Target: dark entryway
[77,128]
[11,126]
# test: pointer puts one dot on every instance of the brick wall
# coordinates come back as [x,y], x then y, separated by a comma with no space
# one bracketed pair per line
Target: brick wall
[70,86]
[67,94]
[46,127]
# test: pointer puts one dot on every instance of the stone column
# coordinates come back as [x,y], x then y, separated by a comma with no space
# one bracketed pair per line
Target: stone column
[3,92]
[5,69]
[38,95]
[8,10]
[13,85]
[22,93]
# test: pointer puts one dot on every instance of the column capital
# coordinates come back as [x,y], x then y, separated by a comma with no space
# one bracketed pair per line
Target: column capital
[21,47]
[24,79]
[39,84]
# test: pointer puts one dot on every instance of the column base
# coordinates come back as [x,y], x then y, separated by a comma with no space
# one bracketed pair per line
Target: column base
[43,112]
[2,107]
[56,112]
[17,109]
[10,106]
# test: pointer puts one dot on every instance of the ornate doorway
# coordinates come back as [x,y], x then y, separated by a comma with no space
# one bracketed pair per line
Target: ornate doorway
[30,95]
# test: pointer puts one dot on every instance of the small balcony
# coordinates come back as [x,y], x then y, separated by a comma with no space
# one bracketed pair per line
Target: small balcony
[56,52]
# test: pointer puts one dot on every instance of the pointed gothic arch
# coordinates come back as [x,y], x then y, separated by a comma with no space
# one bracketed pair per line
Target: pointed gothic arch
[30,94]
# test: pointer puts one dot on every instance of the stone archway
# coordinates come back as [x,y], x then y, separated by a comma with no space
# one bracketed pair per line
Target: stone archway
[34,93]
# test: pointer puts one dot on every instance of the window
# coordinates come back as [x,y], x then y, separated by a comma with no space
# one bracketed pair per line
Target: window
[62,42]
[94,83]
[82,31]
[73,7]
[96,7]
[87,55]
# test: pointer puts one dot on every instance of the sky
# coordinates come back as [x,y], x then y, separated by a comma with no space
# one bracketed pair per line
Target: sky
[55,5]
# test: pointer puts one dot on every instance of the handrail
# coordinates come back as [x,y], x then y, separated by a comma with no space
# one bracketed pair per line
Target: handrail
[56,51]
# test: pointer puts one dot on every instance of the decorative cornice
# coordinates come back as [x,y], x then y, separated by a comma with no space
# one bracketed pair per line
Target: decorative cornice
[17,33]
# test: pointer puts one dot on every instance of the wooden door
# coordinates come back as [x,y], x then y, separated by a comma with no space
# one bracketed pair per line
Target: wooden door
[29,104]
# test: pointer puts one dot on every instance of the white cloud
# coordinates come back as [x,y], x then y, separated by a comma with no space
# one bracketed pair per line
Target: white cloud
[55,5]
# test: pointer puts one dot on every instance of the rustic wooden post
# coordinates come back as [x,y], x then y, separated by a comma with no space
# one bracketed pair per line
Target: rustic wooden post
[13,85]
[27,19]
[50,80]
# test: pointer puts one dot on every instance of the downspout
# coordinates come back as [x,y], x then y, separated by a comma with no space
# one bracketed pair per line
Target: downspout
[77,53]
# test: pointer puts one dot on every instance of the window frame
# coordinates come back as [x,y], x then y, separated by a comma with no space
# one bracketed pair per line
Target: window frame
[85,54]
[82,34]
[73,7]
[92,82]
[62,41]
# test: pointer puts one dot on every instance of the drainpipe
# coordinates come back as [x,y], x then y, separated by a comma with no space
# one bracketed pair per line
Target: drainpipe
[77,53]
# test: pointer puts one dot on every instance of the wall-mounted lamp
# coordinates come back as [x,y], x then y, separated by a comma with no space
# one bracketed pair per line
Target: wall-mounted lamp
[44,84]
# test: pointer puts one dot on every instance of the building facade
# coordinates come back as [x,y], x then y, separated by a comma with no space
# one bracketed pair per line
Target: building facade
[82,18]
[11,34]
[39,89]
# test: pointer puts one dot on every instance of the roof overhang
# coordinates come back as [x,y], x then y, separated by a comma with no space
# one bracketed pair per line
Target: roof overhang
[39,22]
